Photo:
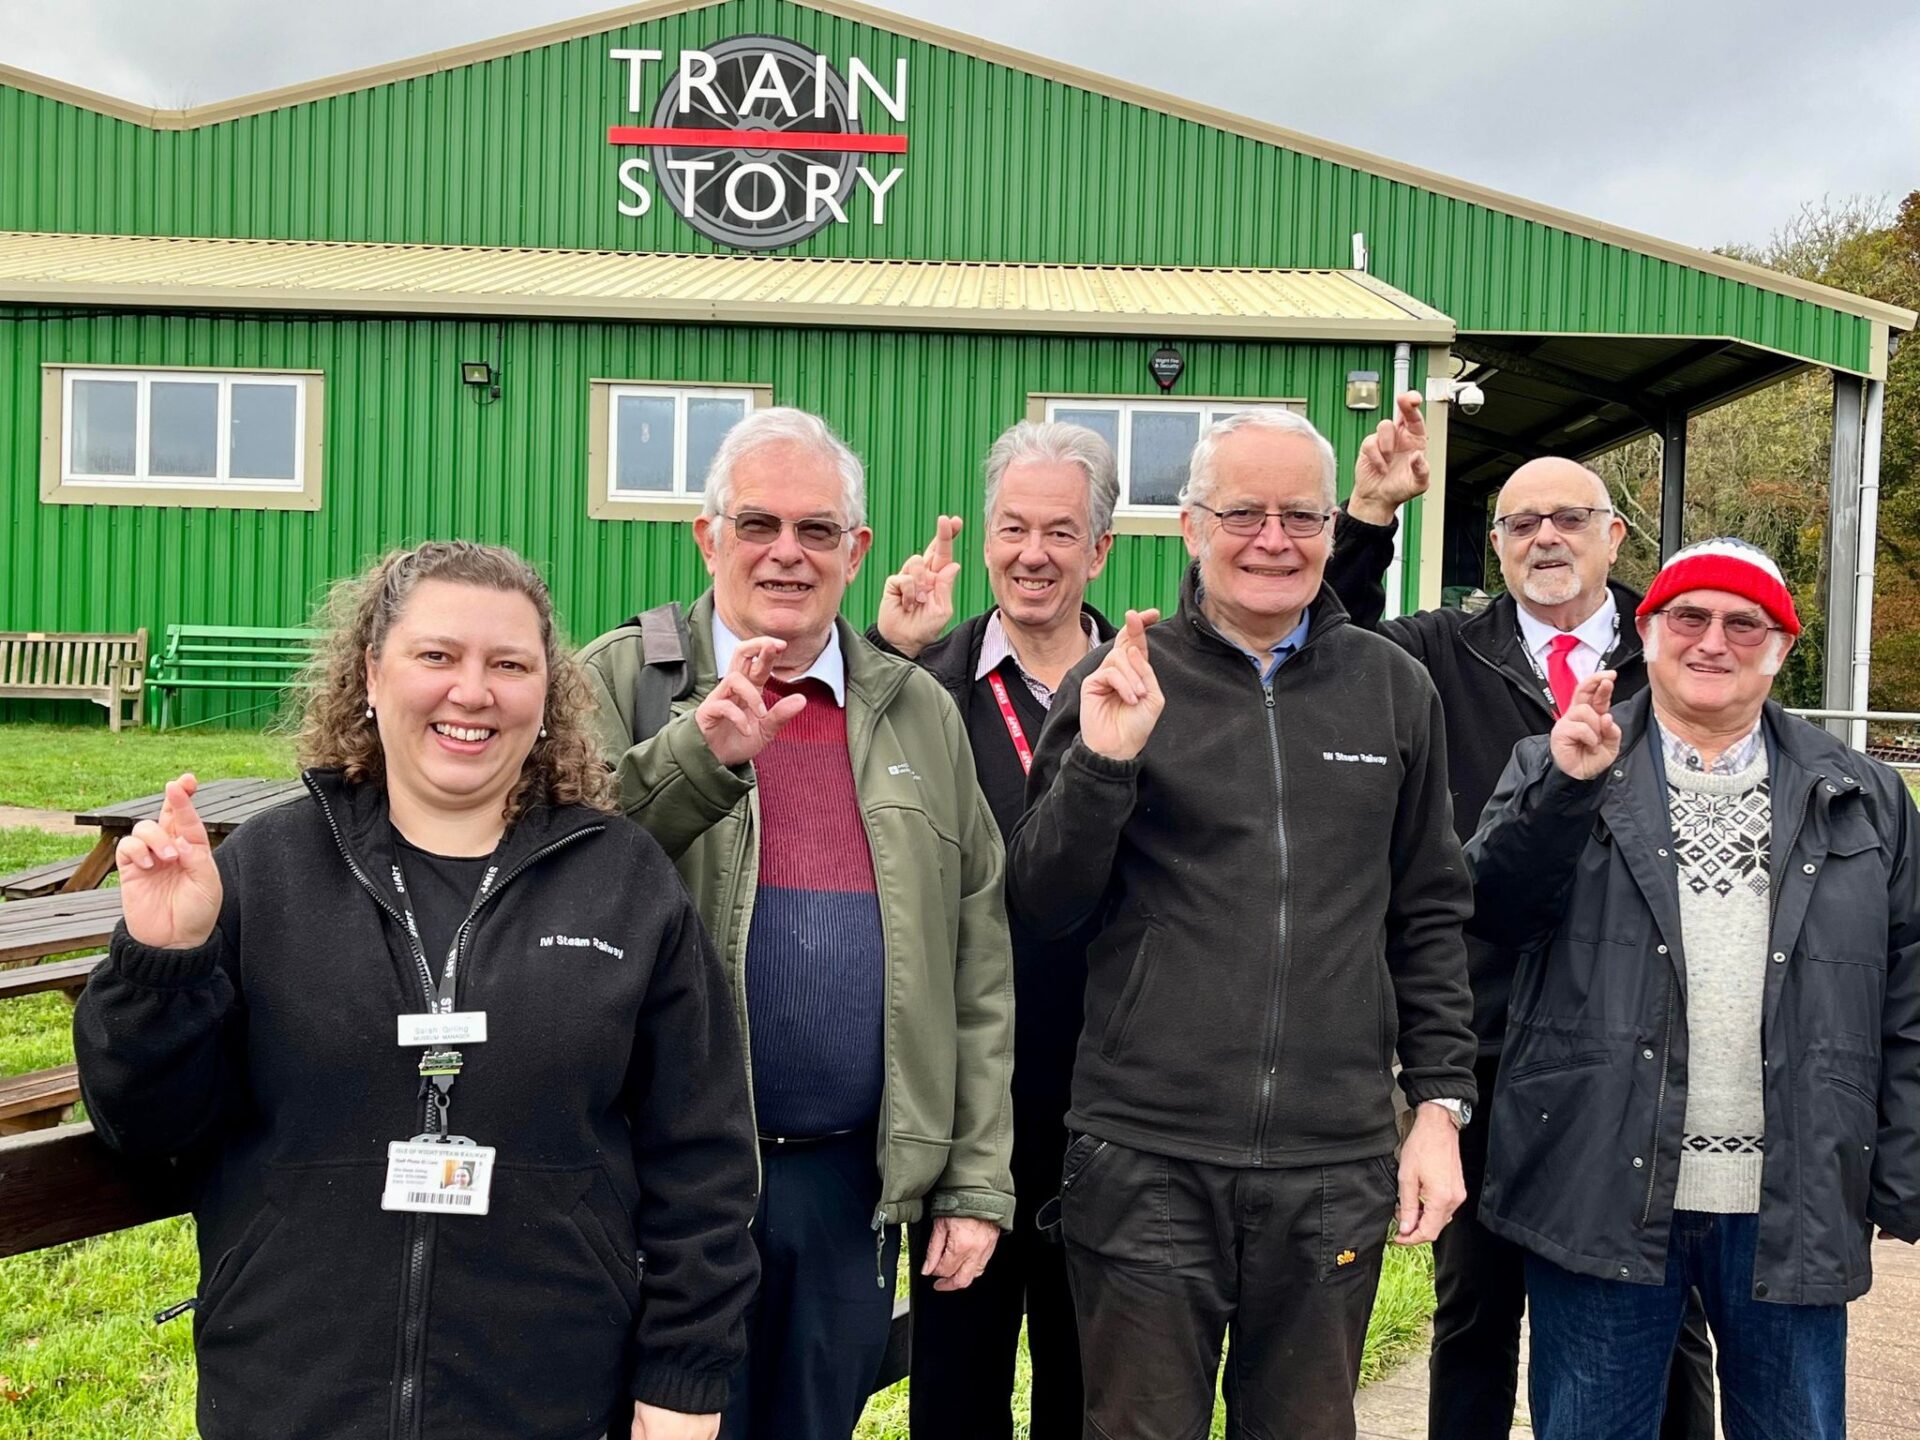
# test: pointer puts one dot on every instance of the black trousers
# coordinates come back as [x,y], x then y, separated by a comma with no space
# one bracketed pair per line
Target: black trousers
[965,1342]
[1479,1280]
[1171,1258]
[817,1327]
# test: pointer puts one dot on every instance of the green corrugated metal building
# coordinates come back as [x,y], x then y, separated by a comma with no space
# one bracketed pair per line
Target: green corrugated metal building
[245,347]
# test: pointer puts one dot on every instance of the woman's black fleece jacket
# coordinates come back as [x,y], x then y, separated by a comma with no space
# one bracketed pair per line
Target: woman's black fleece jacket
[615,1263]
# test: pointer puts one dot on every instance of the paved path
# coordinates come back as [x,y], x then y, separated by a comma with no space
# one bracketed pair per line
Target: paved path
[1883,1366]
[58,822]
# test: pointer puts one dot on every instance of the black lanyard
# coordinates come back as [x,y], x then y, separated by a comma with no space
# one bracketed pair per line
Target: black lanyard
[439,1067]
[1546,686]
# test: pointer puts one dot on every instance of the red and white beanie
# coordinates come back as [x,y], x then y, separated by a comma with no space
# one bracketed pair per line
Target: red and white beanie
[1726,564]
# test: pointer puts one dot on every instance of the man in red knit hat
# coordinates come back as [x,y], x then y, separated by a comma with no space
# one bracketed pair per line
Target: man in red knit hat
[1712,1077]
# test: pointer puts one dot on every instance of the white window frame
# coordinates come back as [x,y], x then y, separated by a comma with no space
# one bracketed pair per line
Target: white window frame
[1129,517]
[61,484]
[604,501]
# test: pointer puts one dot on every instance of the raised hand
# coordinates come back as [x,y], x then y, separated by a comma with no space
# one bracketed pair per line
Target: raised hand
[735,719]
[650,1422]
[169,886]
[1392,467]
[1586,740]
[1120,702]
[917,603]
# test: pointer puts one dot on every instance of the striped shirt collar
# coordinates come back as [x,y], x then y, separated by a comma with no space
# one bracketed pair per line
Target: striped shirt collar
[996,648]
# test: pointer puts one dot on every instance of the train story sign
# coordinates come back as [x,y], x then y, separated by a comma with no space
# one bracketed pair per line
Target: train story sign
[758,142]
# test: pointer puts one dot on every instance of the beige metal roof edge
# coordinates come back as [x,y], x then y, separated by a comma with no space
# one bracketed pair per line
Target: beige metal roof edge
[721,311]
[1868,373]
[994,53]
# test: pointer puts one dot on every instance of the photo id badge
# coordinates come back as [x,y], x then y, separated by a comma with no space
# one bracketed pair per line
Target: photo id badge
[462,1027]
[437,1178]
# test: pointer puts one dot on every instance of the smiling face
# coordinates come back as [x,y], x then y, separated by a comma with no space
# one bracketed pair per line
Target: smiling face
[1040,549]
[1708,681]
[781,588]
[458,692]
[1549,570]
[1257,585]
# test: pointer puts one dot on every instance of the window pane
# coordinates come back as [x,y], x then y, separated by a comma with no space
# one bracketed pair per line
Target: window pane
[709,418]
[1104,422]
[644,443]
[261,434]
[1163,441]
[104,414]
[183,422]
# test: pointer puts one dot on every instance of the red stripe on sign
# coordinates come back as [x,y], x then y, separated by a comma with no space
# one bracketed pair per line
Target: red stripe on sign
[758,139]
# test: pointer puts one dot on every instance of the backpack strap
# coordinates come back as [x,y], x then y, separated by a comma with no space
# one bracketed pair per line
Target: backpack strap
[665,674]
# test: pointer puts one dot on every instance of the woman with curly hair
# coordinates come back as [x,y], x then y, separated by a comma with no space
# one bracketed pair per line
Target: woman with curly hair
[446,1050]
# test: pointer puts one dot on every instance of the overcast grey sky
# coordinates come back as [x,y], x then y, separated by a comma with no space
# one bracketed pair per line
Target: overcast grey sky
[1703,121]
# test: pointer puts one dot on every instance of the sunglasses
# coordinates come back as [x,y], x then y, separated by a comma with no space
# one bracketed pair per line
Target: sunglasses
[1569,521]
[1300,524]
[1690,622]
[757,527]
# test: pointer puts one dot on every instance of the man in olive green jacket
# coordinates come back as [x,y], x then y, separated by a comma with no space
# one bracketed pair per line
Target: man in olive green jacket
[865,938]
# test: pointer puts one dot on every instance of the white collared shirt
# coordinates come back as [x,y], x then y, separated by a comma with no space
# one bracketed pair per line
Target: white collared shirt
[829,667]
[995,647]
[1596,635]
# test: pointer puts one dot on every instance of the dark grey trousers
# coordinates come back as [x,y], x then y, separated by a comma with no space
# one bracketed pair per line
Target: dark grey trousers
[1170,1258]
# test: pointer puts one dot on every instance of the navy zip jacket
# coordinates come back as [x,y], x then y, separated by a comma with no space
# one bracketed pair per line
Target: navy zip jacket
[1592,1101]
[615,1263]
[1278,896]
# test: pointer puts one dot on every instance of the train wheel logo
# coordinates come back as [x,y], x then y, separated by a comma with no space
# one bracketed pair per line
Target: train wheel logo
[756,142]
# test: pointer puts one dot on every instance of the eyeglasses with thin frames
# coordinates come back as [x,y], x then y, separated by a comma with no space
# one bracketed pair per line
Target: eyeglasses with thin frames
[757,527]
[1568,520]
[1690,622]
[1300,524]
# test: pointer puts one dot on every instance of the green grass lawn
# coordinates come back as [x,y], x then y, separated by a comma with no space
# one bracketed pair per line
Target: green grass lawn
[72,767]
[80,1356]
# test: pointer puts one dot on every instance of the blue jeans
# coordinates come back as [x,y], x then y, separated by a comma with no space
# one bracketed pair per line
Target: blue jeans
[1601,1347]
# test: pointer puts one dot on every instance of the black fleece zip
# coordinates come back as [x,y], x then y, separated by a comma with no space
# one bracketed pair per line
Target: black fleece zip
[615,1261]
[1278,894]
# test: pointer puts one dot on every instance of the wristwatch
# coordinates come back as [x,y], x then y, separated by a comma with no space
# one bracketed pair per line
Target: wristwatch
[1460,1110]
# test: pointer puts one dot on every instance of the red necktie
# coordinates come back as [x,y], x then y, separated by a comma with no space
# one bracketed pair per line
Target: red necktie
[1559,672]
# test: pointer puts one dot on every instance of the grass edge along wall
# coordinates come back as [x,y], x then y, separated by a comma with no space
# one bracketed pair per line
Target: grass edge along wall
[410,453]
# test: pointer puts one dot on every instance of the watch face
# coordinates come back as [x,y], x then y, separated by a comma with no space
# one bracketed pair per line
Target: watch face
[1466,1112]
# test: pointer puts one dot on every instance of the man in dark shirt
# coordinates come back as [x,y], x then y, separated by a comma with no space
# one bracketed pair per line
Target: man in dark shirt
[1049,510]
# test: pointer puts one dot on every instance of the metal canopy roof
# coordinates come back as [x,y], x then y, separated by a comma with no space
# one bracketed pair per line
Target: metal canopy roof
[199,273]
[1582,395]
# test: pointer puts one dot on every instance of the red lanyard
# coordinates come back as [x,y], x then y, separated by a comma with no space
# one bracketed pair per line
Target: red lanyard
[1019,735]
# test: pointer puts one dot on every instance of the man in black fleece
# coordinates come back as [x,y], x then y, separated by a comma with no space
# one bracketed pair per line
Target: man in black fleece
[1501,675]
[1256,820]
[1050,494]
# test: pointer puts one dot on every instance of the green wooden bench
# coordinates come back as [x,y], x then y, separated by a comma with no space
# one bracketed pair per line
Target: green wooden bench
[227,657]
[109,670]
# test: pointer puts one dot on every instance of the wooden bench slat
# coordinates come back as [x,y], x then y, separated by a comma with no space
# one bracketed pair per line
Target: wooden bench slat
[67,976]
[64,1184]
[38,880]
[39,1092]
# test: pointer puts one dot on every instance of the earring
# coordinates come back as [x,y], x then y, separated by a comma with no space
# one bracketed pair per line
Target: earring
[369,712]
[543,732]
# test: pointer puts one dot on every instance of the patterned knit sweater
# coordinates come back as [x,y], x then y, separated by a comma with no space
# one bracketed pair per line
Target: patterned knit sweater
[1722,833]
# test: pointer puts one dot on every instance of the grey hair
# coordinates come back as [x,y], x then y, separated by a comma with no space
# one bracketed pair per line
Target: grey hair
[784,425]
[1200,476]
[1055,442]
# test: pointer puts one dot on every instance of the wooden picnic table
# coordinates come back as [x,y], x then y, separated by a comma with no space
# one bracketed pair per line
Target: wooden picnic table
[55,924]
[223,805]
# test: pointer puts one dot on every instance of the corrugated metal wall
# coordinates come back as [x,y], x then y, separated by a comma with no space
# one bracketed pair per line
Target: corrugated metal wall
[1003,165]
[410,455]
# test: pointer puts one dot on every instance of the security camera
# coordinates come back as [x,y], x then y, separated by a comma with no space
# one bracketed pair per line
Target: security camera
[1469,397]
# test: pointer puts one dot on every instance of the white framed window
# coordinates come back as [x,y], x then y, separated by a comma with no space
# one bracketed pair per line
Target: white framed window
[1153,440]
[651,444]
[127,435]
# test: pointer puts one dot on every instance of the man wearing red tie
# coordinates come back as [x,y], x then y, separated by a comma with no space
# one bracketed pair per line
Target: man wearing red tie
[1503,674]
